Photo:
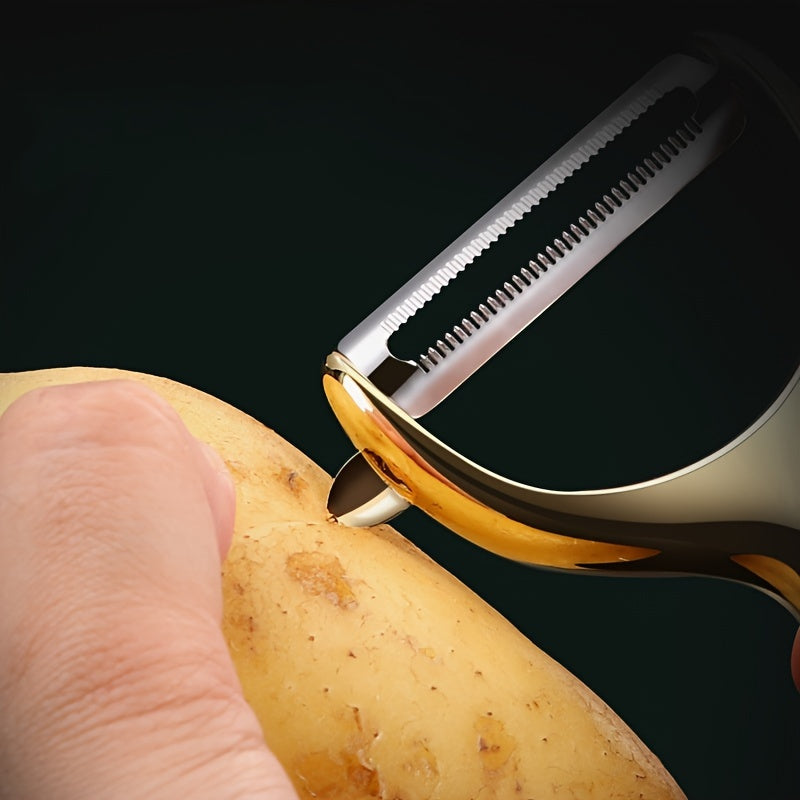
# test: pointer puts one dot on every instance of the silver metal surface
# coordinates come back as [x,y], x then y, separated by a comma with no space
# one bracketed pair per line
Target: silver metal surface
[359,498]
[609,219]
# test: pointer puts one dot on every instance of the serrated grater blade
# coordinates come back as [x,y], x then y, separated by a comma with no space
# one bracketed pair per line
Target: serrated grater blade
[517,298]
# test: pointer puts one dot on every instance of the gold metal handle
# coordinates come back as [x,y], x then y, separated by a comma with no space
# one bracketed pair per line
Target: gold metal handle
[733,515]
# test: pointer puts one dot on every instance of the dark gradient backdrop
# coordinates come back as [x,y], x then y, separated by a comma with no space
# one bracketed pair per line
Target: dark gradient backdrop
[216,193]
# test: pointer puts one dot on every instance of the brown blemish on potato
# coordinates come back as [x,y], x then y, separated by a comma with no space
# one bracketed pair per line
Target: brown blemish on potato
[428,652]
[344,774]
[341,776]
[323,575]
[294,480]
[357,719]
[495,745]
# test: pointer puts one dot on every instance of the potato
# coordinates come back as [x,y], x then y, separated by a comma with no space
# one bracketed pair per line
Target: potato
[373,671]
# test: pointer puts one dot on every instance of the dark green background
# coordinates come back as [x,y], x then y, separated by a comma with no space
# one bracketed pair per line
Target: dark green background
[217,194]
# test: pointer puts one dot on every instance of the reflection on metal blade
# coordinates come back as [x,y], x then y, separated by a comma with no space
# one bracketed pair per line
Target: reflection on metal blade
[515,299]
[359,498]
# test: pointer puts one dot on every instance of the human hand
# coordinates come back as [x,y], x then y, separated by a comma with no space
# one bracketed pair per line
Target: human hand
[115,680]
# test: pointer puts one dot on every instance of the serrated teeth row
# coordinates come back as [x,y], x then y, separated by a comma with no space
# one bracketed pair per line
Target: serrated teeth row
[521,206]
[436,353]
[634,180]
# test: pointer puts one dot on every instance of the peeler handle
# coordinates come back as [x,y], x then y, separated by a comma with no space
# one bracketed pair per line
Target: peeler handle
[733,515]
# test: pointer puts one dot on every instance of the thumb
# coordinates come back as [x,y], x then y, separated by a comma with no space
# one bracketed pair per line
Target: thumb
[115,680]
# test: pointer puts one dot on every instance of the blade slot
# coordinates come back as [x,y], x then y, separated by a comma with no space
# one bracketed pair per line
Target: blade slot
[540,238]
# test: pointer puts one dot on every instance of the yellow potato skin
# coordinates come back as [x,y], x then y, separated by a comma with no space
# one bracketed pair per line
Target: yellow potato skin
[373,671]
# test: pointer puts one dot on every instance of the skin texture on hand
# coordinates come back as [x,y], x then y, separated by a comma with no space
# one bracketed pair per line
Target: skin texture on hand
[115,680]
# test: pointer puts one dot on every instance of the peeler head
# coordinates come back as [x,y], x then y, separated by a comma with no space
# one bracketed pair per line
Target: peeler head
[469,302]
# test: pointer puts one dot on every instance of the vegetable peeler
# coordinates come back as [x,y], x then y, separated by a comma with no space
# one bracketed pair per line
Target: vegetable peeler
[734,514]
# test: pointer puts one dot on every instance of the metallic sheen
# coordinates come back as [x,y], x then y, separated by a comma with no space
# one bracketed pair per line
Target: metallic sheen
[717,122]
[733,515]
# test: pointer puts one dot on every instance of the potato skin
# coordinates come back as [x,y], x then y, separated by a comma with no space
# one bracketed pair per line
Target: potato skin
[379,674]
[373,671]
